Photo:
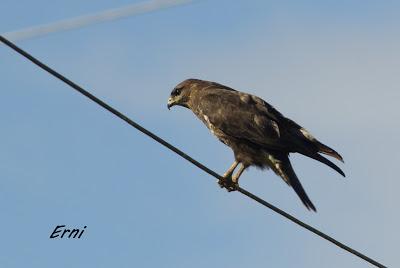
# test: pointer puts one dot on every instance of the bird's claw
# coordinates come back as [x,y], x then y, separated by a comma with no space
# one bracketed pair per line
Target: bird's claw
[228,184]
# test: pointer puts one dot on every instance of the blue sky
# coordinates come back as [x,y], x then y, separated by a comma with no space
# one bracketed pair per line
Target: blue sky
[332,67]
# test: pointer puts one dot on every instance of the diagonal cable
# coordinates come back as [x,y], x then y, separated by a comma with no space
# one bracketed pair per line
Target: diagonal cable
[94,18]
[184,155]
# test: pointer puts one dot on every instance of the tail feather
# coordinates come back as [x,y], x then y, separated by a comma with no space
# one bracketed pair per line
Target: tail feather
[328,151]
[323,160]
[282,167]
[305,144]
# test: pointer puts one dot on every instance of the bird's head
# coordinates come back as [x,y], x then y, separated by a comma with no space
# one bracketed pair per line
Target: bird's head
[180,95]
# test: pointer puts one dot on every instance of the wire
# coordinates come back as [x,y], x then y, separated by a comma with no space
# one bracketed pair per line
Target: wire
[94,18]
[184,155]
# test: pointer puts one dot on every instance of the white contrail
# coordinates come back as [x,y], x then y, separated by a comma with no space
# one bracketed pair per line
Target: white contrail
[78,22]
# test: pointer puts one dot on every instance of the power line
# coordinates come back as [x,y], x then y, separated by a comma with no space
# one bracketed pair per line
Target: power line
[184,155]
[90,19]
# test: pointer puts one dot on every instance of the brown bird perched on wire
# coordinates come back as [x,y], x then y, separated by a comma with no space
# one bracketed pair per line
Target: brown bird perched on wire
[257,133]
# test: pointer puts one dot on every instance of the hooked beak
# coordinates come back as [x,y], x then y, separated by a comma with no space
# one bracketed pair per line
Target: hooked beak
[170,102]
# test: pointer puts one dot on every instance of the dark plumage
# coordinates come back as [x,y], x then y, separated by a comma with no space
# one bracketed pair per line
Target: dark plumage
[258,134]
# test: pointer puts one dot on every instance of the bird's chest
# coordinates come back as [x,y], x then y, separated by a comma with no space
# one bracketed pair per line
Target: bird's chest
[210,126]
[213,129]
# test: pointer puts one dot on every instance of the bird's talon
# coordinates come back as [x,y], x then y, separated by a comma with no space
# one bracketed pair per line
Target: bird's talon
[228,184]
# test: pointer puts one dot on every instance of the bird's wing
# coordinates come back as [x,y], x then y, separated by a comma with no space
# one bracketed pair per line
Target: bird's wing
[242,116]
[247,117]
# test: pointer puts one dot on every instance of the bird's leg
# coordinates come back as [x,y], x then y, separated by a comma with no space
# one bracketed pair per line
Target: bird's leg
[229,172]
[235,178]
[226,181]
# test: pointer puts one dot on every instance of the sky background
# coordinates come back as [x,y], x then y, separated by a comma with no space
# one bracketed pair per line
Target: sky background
[331,66]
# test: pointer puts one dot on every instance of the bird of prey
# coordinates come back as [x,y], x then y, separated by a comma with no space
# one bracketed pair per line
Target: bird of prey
[257,133]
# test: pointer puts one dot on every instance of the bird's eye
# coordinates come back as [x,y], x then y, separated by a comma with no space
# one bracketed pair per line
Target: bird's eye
[177,91]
